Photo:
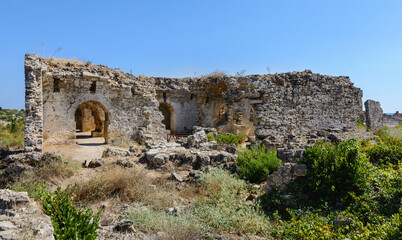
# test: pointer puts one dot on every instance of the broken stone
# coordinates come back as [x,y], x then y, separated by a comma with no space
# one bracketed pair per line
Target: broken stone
[124,162]
[300,170]
[6,225]
[175,176]
[92,163]
[196,139]
[124,225]
[175,211]
[112,152]
[374,115]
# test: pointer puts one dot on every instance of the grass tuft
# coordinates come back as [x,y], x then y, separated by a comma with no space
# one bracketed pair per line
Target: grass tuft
[124,184]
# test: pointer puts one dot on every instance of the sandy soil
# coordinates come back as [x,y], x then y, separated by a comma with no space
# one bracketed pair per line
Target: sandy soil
[87,148]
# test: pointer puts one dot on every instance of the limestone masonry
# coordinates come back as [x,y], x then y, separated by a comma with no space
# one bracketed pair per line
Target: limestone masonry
[65,96]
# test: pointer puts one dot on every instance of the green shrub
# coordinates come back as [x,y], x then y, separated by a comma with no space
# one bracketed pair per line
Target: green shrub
[227,138]
[210,136]
[68,221]
[242,137]
[255,164]
[335,171]
[383,153]
[315,225]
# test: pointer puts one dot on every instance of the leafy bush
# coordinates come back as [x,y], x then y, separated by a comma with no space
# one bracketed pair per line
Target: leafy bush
[315,225]
[68,221]
[210,136]
[335,171]
[383,153]
[255,164]
[227,138]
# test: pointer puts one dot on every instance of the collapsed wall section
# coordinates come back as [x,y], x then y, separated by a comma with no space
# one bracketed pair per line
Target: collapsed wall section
[277,108]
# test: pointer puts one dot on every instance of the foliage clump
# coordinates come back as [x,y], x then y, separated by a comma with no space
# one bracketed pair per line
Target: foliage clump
[68,221]
[256,163]
[346,194]
[335,171]
[227,138]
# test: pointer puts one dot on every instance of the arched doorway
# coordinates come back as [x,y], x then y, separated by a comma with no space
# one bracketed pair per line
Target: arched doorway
[92,120]
[168,115]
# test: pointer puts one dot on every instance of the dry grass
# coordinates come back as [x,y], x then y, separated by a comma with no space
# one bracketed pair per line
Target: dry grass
[395,131]
[360,126]
[50,171]
[216,75]
[74,62]
[147,219]
[127,185]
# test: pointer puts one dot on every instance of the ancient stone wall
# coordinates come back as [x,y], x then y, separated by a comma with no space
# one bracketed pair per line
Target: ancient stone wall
[129,103]
[374,115]
[276,108]
[33,104]
[393,119]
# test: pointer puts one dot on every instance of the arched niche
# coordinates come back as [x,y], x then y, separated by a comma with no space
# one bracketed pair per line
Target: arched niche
[168,116]
[93,117]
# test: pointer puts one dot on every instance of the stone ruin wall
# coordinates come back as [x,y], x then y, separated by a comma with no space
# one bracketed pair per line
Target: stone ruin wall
[276,108]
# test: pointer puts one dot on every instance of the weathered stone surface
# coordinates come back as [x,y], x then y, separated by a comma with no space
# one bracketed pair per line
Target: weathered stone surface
[197,139]
[124,162]
[286,173]
[95,163]
[177,177]
[124,225]
[112,152]
[194,157]
[393,119]
[374,115]
[26,220]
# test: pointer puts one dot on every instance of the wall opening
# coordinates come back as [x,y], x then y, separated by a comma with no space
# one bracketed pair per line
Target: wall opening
[56,87]
[91,121]
[92,89]
[168,116]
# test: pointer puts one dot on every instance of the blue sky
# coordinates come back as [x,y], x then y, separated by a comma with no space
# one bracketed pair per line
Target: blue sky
[360,39]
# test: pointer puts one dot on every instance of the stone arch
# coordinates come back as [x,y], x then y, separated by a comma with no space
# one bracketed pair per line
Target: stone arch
[168,116]
[92,116]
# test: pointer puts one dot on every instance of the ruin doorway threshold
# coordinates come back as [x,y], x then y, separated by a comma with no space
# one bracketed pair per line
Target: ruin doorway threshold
[85,139]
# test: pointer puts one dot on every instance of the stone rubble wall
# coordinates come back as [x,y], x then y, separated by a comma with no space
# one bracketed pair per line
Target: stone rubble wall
[276,108]
[21,218]
[129,101]
[33,104]
[393,119]
[374,115]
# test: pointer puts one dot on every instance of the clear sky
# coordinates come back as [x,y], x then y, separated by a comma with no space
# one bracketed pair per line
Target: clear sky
[360,39]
